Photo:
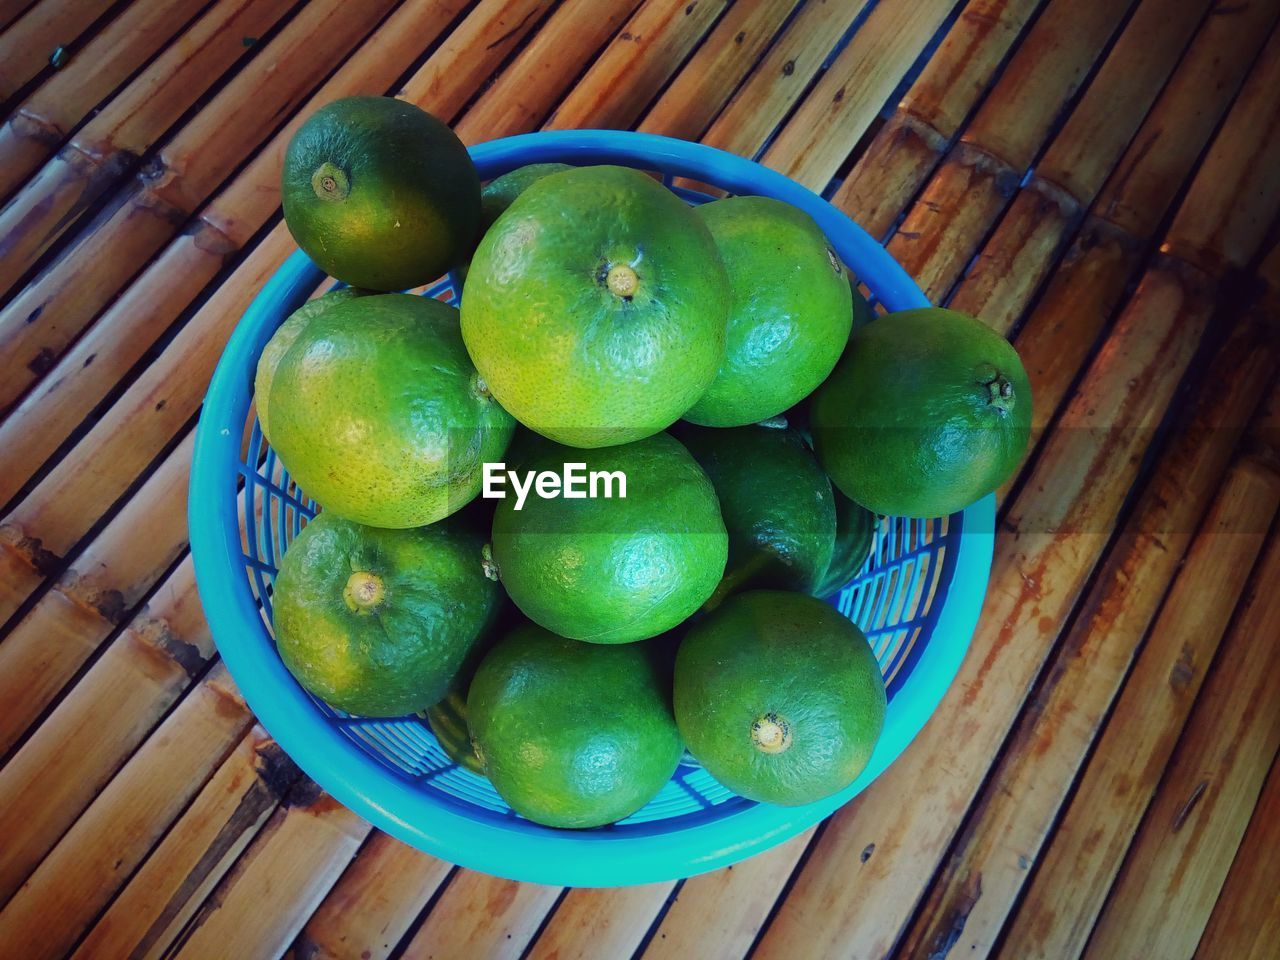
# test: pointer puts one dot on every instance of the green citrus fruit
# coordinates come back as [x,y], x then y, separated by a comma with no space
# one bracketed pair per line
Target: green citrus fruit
[777,505]
[779,697]
[380,193]
[448,720]
[378,622]
[283,339]
[791,310]
[595,307]
[500,192]
[572,734]
[379,415]
[614,570]
[855,535]
[928,411]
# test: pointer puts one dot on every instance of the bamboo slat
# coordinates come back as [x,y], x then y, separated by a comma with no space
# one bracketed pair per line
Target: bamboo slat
[782,77]
[373,904]
[46,118]
[687,107]
[195,854]
[152,302]
[605,922]
[981,173]
[471,53]
[1245,924]
[834,116]
[99,469]
[43,651]
[105,844]
[527,91]
[25,48]
[106,149]
[482,916]
[1017,812]
[260,906]
[1182,852]
[86,739]
[915,138]
[717,915]
[1066,180]
[636,64]
[169,189]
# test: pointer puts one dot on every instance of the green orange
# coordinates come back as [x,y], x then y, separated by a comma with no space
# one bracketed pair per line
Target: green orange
[595,307]
[791,310]
[928,411]
[379,193]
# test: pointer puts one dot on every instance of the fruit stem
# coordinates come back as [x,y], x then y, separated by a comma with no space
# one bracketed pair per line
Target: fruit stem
[771,733]
[363,592]
[622,281]
[488,564]
[1000,392]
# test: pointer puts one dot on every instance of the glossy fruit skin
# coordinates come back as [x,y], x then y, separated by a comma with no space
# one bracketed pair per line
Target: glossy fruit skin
[791,310]
[792,658]
[500,192]
[614,570]
[928,411]
[778,506]
[400,654]
[595,307]
[404,199]
[855,535]
[283,339]
[379,414]
[572,734]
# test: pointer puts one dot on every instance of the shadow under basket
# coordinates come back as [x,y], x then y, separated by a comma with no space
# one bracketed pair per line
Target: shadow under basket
[917,598]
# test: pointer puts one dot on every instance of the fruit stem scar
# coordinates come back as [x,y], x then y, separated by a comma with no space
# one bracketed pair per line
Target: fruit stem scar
[999,392]
[622,281]
[363,592]
[480,388]
[330,182]
[771,733]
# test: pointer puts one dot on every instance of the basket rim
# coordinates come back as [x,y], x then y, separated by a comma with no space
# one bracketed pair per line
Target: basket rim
[526,851]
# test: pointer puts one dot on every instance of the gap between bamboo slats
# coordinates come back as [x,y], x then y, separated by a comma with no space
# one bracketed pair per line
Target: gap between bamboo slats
[1074,490]
[1179,857]
[144,213]
[28,44]
[39,124]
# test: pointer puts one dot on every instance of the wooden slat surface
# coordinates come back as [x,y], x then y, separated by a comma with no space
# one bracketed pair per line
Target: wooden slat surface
[1100,180]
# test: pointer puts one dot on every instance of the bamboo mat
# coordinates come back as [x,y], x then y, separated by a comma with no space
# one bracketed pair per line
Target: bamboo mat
[1098,179]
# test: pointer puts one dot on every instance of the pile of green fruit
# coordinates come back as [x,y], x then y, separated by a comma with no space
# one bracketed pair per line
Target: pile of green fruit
[714,366]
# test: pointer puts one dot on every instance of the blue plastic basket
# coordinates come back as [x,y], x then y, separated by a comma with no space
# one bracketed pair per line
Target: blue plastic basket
[917,598]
